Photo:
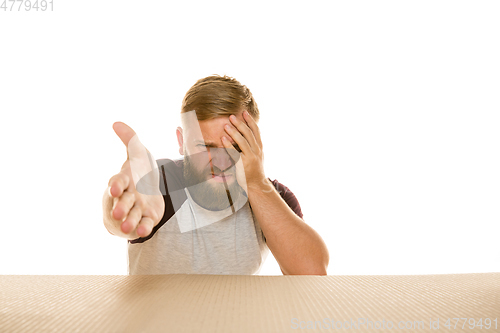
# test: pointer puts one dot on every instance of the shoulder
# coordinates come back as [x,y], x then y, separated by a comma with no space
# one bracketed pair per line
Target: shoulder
[171,173]
[171,177]
[174,167]
[173,164]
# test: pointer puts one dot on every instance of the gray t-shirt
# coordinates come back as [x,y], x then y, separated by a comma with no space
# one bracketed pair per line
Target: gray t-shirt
[192,240]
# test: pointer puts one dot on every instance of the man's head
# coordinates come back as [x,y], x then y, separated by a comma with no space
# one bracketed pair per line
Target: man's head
[216,96]
[205,110]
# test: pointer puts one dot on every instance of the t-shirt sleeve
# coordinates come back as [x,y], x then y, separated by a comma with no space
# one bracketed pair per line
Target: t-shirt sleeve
[288,196]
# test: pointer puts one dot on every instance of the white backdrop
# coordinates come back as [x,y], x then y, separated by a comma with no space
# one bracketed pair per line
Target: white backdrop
[381,116]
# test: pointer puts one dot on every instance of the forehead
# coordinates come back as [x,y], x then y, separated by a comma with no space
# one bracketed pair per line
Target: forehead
[210,130]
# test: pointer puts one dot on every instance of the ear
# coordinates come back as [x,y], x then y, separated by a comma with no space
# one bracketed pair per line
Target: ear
[180,140]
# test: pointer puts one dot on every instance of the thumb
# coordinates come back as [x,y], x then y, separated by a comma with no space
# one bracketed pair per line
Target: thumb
[124,132]
[143,167]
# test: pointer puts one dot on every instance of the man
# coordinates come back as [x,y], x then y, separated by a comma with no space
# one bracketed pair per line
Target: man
[215,211]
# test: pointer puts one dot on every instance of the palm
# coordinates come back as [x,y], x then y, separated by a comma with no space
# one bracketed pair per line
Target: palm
[142,172]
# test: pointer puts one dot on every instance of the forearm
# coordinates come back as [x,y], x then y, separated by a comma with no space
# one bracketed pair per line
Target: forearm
[297,247]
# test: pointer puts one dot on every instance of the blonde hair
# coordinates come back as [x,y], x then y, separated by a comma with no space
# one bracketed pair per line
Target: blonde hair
[216,96]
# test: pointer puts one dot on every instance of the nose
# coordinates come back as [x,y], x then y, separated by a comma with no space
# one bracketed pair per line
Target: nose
[219,158]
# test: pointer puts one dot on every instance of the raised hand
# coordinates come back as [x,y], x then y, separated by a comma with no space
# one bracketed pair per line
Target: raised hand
[250,168]
[127,212]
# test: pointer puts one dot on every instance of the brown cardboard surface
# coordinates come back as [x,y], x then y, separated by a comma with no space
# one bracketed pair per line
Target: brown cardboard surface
[222,303]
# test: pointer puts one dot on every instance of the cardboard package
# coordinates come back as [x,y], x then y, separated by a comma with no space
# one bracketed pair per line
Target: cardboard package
[225,303]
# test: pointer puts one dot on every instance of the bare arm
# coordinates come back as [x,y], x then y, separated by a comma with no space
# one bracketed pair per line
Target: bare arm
[298,248]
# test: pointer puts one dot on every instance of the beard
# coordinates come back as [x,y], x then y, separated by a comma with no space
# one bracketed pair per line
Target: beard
[210,195]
